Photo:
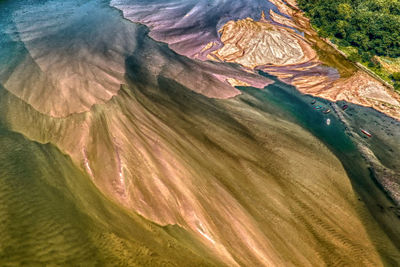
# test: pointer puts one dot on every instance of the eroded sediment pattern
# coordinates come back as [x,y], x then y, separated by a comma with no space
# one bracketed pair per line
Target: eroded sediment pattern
[168,141]
[188,26]
[251,44]
[68,71]
[64,73]
[285,53]
[254,197]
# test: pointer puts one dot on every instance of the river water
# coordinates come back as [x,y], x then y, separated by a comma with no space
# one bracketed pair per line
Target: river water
[285,101]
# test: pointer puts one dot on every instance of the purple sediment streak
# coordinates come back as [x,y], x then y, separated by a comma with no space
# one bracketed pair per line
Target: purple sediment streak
[188,26]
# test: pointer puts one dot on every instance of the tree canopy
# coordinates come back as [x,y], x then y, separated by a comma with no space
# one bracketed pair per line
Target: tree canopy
[372,26]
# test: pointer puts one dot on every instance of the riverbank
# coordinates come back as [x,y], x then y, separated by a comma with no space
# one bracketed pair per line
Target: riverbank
[361,66]
[322,69]
[367,32]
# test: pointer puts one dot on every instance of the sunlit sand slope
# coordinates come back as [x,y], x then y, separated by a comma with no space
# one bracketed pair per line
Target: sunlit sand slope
[257,43]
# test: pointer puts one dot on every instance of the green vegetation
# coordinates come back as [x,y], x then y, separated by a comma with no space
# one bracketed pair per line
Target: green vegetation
[395,76]
[372,26]
[396,79]
[362,29]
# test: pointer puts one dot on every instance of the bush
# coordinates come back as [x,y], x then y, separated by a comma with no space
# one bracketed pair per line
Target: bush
[395,76]
[397,86]
[354,57]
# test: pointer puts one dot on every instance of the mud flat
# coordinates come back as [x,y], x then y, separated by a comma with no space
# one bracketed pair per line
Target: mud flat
[386,177]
